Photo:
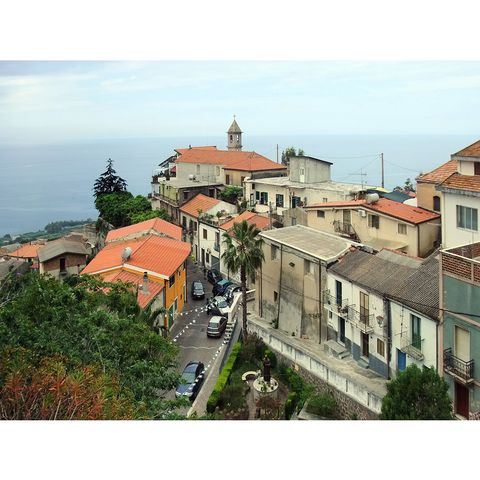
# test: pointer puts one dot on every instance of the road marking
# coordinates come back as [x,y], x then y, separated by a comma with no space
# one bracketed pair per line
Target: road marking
[197,348]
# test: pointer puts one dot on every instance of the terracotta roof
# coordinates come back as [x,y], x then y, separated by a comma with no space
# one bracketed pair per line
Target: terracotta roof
[252,218]
[26,251]
[388,207]
[472,150]
[181,151]
[154,288]
[463,182]
[440,174]
[199,202]
[152,253]
[156,224]
[230,159]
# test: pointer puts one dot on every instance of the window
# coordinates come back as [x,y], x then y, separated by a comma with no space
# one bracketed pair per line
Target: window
[253,186]
[274,252]
[275,296]
[198,169]
[320,214]
[279,200]
[257,196]
[204,234]
[62,265]
[211,192]
[309,267]
[227,179]
[325,200]
[402,229]
[208,258]
[467,217]
[217,170]
[296,201]
[217,238]
[171,281]
[263,198]
[338,292]
[436,203]
[184,222]
[185,194]
[416,336]
[194,226]
[380,347]
[364,308]
[231,138]
[374,221]
[476,168]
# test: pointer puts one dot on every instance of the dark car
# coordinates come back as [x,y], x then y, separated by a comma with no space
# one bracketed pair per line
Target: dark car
[231,290]
[220,287]
[217,306]
[214,276]
[198,291]
[192,380]
[216,326]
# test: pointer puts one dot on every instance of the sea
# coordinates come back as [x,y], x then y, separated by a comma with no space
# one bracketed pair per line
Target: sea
[44,183]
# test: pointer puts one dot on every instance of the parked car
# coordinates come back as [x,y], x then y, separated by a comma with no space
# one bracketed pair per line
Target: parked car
[231,290]
[214,276]
[198,292]
[220,287]
[192,380]
[217,306]
[216,326]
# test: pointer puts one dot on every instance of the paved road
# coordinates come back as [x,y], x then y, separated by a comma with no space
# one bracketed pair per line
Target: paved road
[189,330]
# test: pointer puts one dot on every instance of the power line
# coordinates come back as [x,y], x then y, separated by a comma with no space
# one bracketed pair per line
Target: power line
[404,168]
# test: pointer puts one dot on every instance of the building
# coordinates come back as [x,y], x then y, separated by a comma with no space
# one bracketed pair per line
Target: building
[200,218]
[261,223]
[309,183]
[290,283]
[460,199]
[460,327]
[153,259]
[12,266]
[62,257]
[154,226]
[379,223]
[28,252]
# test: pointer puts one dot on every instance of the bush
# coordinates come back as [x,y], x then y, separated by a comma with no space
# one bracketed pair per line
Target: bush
[322,405]
[232,397]
[223,378]
[290,404]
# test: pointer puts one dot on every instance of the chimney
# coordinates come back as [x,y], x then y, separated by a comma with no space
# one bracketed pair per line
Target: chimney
[145,283]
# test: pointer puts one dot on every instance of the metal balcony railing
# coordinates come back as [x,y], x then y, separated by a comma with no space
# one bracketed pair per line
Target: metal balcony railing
[412,346]
[457,367]
[343,227]
[362,319]
[216,247]
[338,305]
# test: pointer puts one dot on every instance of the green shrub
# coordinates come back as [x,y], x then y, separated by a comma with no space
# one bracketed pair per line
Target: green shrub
[323,405]
[223,378]
[232,397]
[290,404]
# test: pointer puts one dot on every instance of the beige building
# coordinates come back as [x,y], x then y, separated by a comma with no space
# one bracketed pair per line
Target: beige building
[290,283]
[379,223]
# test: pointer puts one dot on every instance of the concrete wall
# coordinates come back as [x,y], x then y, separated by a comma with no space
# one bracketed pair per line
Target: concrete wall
[313,170]
[451,234]
[295,216]
[202,171]
[425,193]
[466,167]
[74,264]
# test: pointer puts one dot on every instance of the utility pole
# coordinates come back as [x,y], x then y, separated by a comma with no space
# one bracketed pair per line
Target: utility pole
[383,171]
[270,215]
[277,152]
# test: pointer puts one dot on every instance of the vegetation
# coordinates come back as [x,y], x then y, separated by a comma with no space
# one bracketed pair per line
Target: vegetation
[290,152]
[80,329]
[243,253]
[57,227]
[407,187]
[109,182]
[323,405]
[417,394]
[303,390]
[231,193]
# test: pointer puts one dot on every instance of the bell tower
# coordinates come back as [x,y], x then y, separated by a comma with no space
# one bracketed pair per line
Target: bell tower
[234,136]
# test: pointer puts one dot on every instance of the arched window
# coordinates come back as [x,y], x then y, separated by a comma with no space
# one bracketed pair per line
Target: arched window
[436,203]
[231,138]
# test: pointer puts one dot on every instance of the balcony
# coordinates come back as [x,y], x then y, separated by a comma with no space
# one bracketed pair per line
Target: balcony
[345,229]
[216,247]
[363,320]
[460,369]
[412,347]
[331,302]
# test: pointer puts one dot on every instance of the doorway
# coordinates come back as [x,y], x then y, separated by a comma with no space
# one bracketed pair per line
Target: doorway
[365,345]
[461,400]
[341,329]
[401,360]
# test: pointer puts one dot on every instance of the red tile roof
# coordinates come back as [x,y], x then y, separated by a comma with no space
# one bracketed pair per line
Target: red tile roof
[199,202]
[160,255]
[148,226]
[440,174]
[463,182]
[154,288]
[252,218]
[472,150]
[407,213]
[181,151]
[26,251]
[230,159]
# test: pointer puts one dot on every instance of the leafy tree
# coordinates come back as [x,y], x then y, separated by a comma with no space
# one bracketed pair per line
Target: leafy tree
[407,187]
[290,152]
[109,182]
[243,253]
[417,394]
[90,324]
[231,193]
[141,217]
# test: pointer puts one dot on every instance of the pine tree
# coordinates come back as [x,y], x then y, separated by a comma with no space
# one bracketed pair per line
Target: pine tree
[109,182]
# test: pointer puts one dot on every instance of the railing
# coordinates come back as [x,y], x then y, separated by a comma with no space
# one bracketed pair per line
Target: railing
[163,198]
[216,247]
[331,302]
[412,347]
[457,367]
[361,320]
[343,227]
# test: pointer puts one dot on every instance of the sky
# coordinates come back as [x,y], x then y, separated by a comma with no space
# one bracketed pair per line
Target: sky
[57,101]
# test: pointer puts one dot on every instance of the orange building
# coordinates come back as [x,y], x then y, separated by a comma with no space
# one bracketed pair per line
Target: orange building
[155,263]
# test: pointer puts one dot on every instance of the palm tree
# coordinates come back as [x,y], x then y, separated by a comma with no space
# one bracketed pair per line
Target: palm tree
[243,253]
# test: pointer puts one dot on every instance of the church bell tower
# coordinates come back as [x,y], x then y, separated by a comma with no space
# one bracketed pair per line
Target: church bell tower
[234,136]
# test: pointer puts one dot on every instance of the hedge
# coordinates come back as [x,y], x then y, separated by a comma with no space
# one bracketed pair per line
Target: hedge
[223,378]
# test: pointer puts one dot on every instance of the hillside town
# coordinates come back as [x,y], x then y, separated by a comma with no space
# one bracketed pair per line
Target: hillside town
[266,275]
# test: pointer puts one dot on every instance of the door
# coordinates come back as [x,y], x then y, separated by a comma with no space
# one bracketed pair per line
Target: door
[461,400]
[171,312]
[365,346]
[203,256]
[341,325]
[347,219]
[401,360]
[338,292]
[462,344]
